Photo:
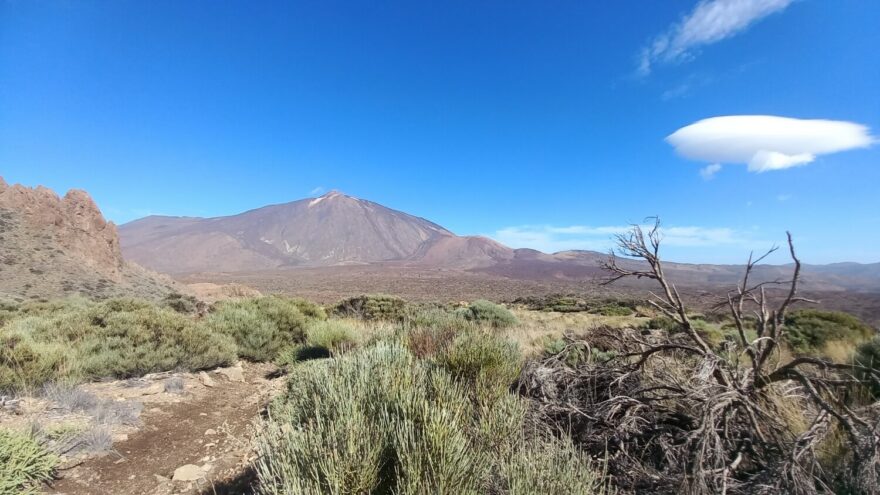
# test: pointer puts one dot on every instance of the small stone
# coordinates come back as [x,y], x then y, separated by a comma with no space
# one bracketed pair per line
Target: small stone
[210,431]
[161,479]
[233,373]
[203,414]
[206,380]
[188,472]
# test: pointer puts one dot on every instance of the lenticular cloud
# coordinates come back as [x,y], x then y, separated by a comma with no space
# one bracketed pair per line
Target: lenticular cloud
[765,142]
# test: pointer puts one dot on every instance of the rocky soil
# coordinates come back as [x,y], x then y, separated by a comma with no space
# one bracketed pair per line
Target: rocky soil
[193,433]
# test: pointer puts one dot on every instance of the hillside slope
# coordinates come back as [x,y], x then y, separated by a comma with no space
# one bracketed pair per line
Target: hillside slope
[53,246]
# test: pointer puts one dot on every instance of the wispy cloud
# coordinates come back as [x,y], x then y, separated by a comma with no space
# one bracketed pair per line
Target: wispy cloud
[709,22]
[765,142]
[708,172]
[551,239]
[316,191]
[783,197]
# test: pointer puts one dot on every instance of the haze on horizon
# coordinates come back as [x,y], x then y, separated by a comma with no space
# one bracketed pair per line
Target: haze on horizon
[733,120]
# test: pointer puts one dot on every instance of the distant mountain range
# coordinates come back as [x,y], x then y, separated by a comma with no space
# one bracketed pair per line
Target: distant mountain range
[338,229]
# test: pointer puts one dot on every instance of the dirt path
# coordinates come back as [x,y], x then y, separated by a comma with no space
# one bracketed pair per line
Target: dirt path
[210,428]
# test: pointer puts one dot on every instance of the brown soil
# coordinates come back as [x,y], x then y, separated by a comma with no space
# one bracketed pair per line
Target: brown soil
[173,435]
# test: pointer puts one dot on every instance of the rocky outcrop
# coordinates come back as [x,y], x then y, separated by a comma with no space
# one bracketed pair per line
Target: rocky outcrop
[53,246]
[73,224]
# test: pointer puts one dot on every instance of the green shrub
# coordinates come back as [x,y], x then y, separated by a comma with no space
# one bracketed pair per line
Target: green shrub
[808,330]
[260,326]
[562,303]
[117,338]
[363,423]
[551,466]
[576,352]
[379,420]
[436,318]
[571,353]
[8,310]
[613,309]
[486,363]
[868,355]
[26,363]
[333,335]
[182,303]
[372,307]
[309,308]
[24,463]
[664,323]
[489,313]
[55,306]
[301,352]
[149,339]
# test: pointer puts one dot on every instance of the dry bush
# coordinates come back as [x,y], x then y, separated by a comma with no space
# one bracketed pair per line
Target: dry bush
[676,414]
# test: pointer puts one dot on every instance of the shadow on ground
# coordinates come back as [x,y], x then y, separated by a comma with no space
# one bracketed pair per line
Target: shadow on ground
[240,485]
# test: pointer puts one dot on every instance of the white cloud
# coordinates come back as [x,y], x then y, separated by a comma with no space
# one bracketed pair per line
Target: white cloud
[316,191]
[710,21]
[676,92]
[550,239]
[708,172]
[765,142]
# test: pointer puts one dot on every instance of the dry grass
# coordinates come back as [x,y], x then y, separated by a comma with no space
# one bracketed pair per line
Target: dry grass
[537,327]
[839,351]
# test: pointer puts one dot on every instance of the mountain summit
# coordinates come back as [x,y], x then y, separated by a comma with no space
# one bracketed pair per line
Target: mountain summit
[332,229]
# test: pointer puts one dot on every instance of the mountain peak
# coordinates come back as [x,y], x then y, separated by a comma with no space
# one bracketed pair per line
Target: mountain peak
[333,194]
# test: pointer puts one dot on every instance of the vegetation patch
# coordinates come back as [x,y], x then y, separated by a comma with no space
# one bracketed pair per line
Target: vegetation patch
[262,326]
[809,330]
[484,362]
[324,338]
[488,313]
[380,420]
[117,338]
[24,463]
[372,307]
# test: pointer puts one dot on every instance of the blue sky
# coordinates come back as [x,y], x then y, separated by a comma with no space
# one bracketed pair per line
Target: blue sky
[541,125]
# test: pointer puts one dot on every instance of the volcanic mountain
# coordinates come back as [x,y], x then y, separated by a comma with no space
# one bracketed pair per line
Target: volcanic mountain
[53,246]
[333,229]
